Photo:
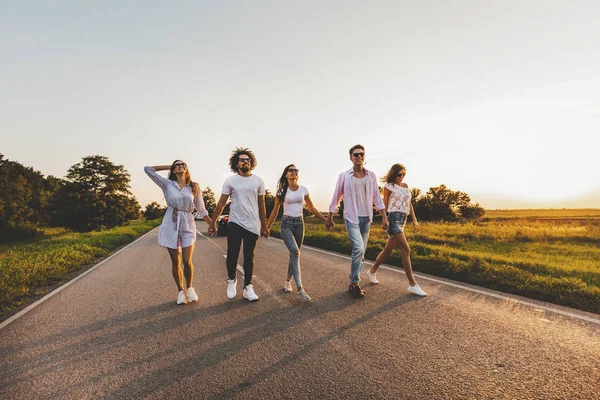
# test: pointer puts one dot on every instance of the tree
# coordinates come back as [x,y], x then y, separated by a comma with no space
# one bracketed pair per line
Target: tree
[209,200]
[341,209]
[24,199]
[270,204]
[154,211]
[96,195]
[441,203]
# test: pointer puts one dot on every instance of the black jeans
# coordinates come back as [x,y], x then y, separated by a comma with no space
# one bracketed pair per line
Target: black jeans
[235,235]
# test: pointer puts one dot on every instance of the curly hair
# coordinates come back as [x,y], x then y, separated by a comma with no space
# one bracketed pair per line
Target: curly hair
[235,155]
[188,178]
[390,177]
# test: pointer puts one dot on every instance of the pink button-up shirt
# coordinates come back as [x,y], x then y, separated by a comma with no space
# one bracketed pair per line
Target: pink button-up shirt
[344,188]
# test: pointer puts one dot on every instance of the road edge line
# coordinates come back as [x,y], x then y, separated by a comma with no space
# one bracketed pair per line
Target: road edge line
[467,288]
[64,286]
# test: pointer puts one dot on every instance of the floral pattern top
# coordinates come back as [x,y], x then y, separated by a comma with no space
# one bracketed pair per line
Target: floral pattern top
[399,199]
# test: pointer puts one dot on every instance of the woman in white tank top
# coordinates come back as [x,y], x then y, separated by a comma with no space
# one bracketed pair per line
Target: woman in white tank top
[293,197]
[396,197]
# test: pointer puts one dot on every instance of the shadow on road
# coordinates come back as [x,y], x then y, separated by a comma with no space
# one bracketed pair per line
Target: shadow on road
[92,341]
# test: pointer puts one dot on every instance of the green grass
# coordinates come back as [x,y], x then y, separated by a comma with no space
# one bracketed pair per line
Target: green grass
[546,213]
[27,268]
[556,261]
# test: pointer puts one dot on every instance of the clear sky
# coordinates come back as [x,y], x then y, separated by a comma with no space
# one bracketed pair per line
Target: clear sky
[497,99]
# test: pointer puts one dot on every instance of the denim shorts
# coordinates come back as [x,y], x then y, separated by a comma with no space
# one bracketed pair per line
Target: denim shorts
[397,221]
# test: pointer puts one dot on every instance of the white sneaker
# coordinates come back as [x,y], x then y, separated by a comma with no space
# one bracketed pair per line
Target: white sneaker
[181,298]
[416,289]
[231,289]
[372,278]
[249,294]
[192,296]
[287,287]
[303,296]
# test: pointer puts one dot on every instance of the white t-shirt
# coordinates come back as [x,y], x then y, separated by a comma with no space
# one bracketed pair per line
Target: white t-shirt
[360,190]
[399,199]
[244,192]
[293,202]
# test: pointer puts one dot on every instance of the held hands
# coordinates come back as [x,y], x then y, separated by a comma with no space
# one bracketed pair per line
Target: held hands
[415,224]
[384,223]
[329,223]
[265,232]
[211,230]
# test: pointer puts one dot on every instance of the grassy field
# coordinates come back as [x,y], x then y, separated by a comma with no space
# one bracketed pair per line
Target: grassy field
[554,260]
[28,268]
[548,213]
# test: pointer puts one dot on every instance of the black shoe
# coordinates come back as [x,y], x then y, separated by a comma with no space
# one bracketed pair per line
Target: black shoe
[356,291]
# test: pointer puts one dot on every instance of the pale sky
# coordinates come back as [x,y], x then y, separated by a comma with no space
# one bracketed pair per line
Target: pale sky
[497,99]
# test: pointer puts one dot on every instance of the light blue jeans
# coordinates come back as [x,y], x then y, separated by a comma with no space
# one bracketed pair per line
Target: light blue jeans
[292,233]
[359,237]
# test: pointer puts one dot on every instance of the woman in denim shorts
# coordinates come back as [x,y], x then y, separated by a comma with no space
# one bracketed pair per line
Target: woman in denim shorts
[396,197]
[293,197]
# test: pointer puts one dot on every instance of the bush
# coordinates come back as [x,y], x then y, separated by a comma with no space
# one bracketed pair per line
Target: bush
[24,231]
[154,211]
[443,204]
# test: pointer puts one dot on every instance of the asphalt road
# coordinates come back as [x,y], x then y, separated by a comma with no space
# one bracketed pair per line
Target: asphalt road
[117,333]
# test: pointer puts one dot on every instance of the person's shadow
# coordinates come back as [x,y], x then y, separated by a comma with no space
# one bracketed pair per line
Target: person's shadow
[124,331]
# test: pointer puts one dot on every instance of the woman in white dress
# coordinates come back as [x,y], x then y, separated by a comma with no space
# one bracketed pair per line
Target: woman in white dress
[178,229]
[396,197]
[292,196]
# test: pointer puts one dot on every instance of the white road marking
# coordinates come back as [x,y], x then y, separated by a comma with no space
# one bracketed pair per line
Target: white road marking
[59,289]
[478,291]
[239,267]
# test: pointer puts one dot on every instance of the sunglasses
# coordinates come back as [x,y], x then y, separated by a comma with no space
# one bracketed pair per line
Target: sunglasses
[402,174]
[294,170]
[358,155]
[180,164]
[243,159]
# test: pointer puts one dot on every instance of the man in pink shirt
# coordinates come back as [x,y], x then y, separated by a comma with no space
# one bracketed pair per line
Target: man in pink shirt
[358,187]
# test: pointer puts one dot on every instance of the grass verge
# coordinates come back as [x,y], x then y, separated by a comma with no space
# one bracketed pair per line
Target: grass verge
[553,261]
[28,268]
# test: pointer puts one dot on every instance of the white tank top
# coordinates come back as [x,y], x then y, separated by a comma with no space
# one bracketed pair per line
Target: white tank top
[399,199]
[360,190]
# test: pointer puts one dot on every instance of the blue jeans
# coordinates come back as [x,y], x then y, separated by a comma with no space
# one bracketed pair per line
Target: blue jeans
[292,233]
[359,237]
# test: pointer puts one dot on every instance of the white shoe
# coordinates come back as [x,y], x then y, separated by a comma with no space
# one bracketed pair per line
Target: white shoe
[231,289]
[249,294]
[303,296]
[416,289]
[192,296]
[181,298]
[372,278]
[287,287]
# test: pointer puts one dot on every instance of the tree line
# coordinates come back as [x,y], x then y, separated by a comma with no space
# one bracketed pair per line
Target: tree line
[96,194]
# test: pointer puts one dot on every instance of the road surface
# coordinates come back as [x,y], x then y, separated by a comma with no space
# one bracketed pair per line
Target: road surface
[117,333]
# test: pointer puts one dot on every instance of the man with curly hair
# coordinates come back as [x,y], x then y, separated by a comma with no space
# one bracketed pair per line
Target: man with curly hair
[246,218]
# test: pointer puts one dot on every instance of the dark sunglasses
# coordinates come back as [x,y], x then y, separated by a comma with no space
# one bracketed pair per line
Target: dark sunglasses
[180,164]
[243,159]
[294,170]
[402,174]
[358,155]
